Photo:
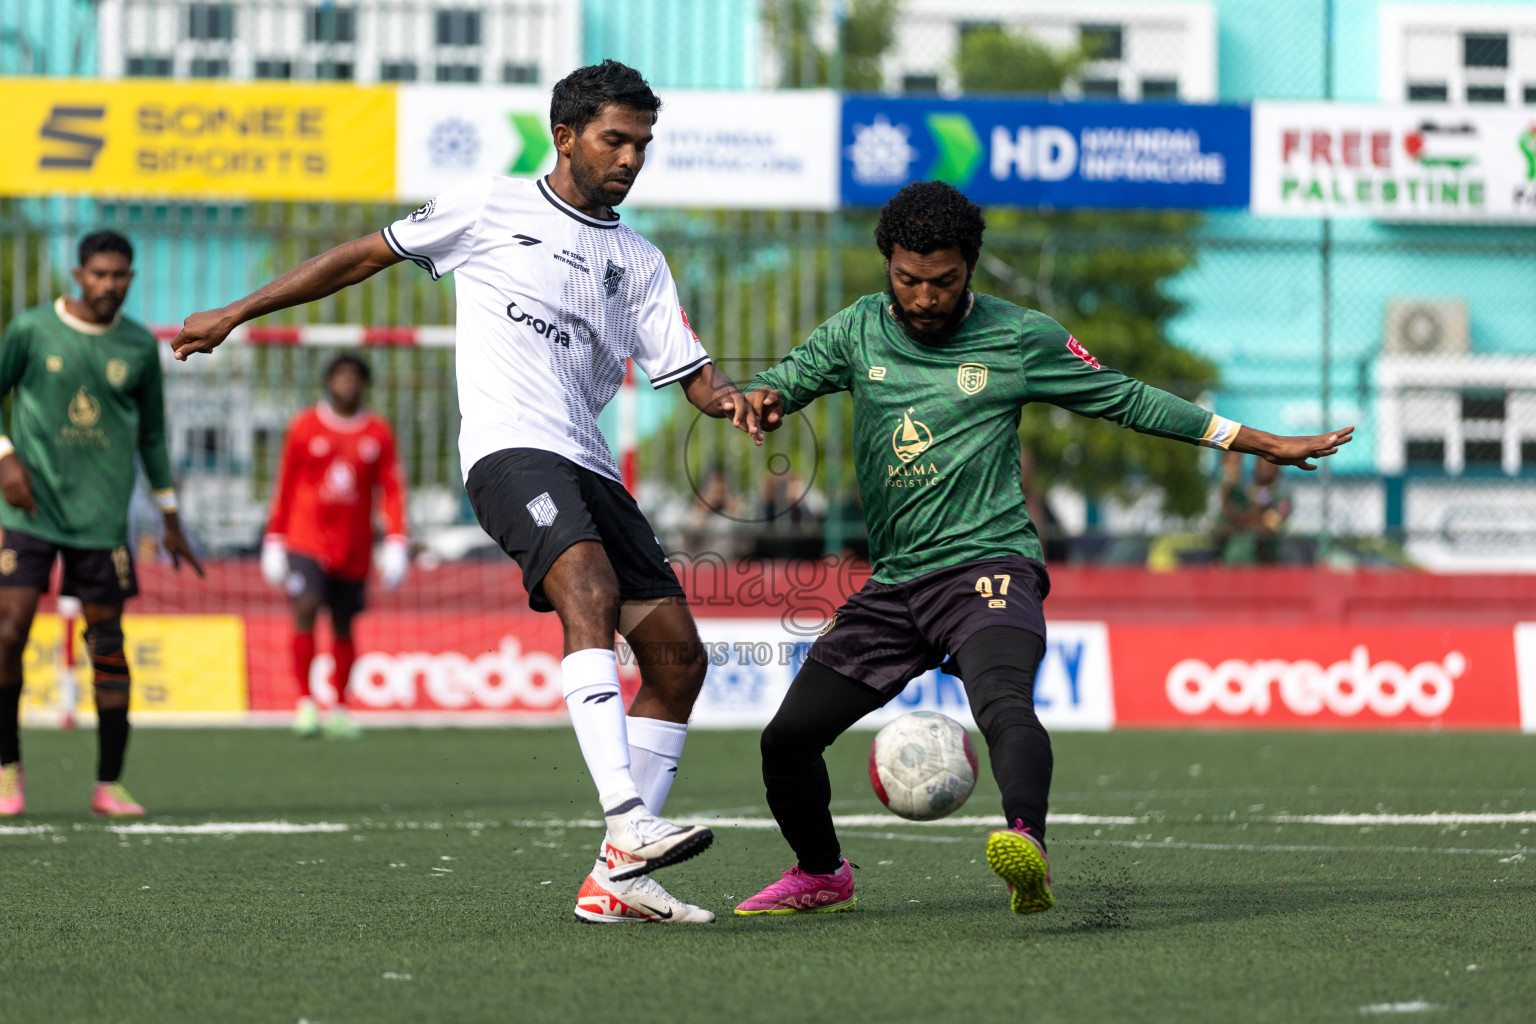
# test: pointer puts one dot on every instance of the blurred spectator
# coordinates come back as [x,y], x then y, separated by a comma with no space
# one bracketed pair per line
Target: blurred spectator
[791,516]
[714,521]
[1052,541]
[1253,512]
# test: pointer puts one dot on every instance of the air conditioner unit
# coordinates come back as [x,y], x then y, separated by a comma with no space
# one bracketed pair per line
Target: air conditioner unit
[1424,327]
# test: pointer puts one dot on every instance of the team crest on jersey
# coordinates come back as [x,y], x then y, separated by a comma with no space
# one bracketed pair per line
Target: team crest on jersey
[84,411]
[423,211]
[368,449]
[612,278]
[543,510]
[911,437]
[117,372]
[972,378]
[54,363]
[1076,348]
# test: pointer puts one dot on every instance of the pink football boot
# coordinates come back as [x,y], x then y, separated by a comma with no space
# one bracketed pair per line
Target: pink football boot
[13,790]
[801,893]
[111,800]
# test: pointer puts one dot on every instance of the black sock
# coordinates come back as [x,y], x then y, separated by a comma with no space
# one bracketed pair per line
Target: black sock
[820,705]
[10,732]
[998,665]
[111,743]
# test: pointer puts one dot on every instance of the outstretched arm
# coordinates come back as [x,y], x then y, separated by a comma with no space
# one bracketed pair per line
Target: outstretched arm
[1290,451]
[715,394]
[315,278]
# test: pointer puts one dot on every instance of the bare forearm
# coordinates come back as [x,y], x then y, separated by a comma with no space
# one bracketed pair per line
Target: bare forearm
[706,388]
[315,278]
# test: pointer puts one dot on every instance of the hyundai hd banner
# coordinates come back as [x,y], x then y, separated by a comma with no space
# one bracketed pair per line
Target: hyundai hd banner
[1042,154]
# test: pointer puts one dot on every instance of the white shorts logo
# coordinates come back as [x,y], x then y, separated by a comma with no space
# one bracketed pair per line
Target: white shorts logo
[543,510]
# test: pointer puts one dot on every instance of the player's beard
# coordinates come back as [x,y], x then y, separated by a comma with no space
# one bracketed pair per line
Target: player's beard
[596,189]
[932,335]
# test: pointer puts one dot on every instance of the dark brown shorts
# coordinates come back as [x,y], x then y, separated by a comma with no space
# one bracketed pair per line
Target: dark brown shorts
[890,633]
[103,576]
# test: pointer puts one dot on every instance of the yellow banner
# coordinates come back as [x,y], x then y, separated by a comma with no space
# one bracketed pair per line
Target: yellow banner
[198,140]
[180,664]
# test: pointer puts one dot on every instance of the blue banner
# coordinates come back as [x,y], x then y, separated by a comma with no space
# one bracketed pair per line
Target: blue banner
[1110,156]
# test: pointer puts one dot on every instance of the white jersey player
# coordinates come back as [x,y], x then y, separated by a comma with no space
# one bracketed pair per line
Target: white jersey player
[554,294]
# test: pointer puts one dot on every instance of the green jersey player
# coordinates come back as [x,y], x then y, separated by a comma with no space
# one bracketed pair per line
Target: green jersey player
[85,389]
[938,375]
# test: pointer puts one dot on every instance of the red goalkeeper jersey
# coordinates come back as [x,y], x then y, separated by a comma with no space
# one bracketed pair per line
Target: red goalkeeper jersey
[322,504]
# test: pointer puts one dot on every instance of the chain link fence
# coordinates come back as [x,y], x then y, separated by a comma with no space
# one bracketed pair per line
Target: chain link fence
[1418,335]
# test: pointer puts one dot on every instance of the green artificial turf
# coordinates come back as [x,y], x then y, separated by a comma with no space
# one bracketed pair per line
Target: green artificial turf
[436,904]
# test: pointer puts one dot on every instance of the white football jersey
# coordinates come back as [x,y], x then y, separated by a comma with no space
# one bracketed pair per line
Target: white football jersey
[551,302]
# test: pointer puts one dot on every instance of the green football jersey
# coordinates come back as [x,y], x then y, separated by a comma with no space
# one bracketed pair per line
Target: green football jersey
[84,398]
[936,427]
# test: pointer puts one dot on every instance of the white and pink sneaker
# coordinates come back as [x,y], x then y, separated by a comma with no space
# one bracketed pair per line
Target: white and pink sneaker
[13,790]
[801,893]
[636,901]
[111,800]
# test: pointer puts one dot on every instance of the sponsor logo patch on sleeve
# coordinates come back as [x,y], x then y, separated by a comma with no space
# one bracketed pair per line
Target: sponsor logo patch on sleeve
[1076,348]
[691,333]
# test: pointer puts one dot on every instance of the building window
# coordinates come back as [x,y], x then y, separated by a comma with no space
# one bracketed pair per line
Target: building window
[211,21]
[397,71]
[458,72]
[1426,453]
[1485,50]
[514,73]
[148,67]
[333,70]
[1530,94]
[1482,453]
[1528,454]
[920,85]
[1159,88]
[1103,42]
[458,28]
[1101,88]
[209,67]
[1485,94]
[332,25]
[274,69]
[1427,92]
[1483,405]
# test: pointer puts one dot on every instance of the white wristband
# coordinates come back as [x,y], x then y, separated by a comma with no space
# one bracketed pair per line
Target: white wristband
[165,500]
[1221,432]
[6,448]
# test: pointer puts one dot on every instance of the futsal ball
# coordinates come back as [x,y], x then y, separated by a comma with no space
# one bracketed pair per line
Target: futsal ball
[922,765]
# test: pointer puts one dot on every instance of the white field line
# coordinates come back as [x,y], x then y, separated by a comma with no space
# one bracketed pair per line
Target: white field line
[1436,818]
[225,828]
[1416,1006]
[1140,844]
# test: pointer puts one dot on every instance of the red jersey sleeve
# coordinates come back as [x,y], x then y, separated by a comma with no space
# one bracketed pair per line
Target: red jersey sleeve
[391,482]
[286,484]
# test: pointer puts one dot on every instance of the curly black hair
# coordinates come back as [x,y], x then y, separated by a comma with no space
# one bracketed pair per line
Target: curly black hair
[105,240]
[581,95]
[356,362]
[927,216]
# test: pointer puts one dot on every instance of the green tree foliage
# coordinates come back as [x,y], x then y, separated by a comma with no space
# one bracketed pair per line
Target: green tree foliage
[1104,276]
[994,60]
[867,30]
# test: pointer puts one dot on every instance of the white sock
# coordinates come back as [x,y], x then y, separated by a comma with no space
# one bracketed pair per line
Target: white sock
[654,747]
[591,688]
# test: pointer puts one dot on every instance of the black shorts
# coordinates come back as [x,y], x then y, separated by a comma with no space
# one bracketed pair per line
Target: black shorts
[103,576]
[535,504]
[345,598]
[890,633]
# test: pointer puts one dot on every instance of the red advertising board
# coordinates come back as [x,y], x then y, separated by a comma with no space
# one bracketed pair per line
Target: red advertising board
[471,664]
[1331,676]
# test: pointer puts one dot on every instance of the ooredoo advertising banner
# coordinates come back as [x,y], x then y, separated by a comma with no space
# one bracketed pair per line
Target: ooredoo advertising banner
[1315,676]
[1036,153]
[1409,162]
[197,139]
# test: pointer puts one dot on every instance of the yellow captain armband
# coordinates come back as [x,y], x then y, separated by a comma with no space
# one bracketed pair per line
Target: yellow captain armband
[1221,432]
[165,500]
